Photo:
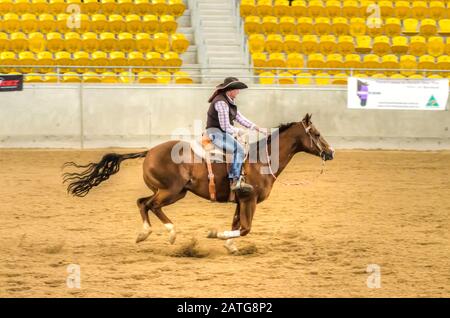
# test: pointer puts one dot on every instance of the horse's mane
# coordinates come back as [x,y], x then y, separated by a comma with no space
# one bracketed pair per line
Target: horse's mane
[267,140]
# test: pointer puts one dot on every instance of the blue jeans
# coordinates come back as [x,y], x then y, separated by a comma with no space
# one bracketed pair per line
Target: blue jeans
[230,145]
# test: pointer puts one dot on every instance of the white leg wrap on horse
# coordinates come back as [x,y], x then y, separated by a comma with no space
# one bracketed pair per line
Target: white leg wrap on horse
[172,232]
[169,226]
[147,226]
[228,234]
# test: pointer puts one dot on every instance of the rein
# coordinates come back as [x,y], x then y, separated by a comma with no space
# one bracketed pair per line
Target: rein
[299,182]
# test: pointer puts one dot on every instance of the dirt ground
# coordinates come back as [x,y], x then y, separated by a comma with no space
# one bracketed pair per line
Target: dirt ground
[389,208]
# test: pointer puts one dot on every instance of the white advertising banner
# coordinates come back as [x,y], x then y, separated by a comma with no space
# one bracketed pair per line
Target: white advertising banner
[374,93]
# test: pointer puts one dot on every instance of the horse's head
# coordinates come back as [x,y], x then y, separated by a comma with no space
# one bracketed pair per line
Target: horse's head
[311,141]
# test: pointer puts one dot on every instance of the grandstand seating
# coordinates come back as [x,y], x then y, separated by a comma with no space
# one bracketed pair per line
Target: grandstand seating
[346,34]
[123,33]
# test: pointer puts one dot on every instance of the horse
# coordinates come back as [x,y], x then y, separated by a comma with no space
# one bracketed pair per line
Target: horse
[170,181]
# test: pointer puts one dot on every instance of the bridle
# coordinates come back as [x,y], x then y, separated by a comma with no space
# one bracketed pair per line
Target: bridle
[313,140]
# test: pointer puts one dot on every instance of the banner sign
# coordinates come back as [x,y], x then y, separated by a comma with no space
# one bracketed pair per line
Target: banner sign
[371,93]
[11,83]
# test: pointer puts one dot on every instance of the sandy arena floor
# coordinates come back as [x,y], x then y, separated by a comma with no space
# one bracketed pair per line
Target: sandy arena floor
[387,208]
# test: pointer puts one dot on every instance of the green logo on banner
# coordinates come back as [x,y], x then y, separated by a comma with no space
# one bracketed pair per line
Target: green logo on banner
[432,102]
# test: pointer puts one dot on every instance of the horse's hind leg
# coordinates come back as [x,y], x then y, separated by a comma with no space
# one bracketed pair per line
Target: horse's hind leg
[143,209]
[163,198]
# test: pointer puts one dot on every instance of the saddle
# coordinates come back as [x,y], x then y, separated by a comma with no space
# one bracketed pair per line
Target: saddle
[206,150]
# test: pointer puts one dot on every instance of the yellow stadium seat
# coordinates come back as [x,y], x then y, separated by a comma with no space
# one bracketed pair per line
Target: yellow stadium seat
[71,77]
[339,79]
[304,25]
[143,42]
[89,42]
[4,42]
[247,8]
[276,60]
[435,46]
[327,44]
[253,25]
[310,44]
[304,78]
[179,43]
[172,59]
[154,60]
[136,59]
[28,22]
[21,6]
[295,60]
[64,23]
[397,76]
[126,77]
[182,78]
[108,6]
[299,8]
[81,58]
[116,23]
[270,25]
[26,58]
[124,7]
[126,42]
[444,27]
[417,45]
[399,44]
[315,60]
[334,61]
[281,8]
[322,25]
[371,61]
[264,7]
[363,44]
[168,24]
[287,25]
[99,23]
[47,23]
[36,42]
[274,43]
[345,44]
[72,41]
[55,42]
[435,76]
[267,78]
[333,8]
[381,45]
[150,23]
[447,46]
[7,58]
[389,61]
[375,26]
[437,9]
[292,43]
[259,61]
[415,76]
[387,8]
[163,77]
[392,27]
[419,9]
[134,23]
[402,9]
[316,8]
[63,58]
[90,6]
[256,43]
[428,27]
[427,62]
[117,58]
[410,26]
[176,8]
[50,77]
[108,41]
[11,22]
[379,75]
[161,42]
[340,26]
[408,64]
[91,77]
[84,23]
[142,7]
[350,8]
[100,58]
[146,77]
[352,61]
[322,79]
[6,6]
[286,78]
[109,77]
[56,6]
[33,78]
[358,26]
[18,41]
[366,8]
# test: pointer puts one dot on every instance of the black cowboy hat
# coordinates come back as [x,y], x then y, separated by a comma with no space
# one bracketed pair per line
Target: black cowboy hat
[228,84]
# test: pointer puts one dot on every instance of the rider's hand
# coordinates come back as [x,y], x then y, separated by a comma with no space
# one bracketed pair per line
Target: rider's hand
[264,131]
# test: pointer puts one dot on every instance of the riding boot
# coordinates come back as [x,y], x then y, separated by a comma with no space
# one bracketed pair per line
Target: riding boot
[240,185]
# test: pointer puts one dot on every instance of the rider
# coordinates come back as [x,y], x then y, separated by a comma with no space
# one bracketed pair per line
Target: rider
[220,128]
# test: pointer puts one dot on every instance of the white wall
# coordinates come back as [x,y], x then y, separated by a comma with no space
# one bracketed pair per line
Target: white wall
[139,116]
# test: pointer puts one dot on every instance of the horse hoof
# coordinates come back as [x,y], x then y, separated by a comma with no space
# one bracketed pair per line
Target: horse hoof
[142,236]
[212,234]
[172,237]
[229,245]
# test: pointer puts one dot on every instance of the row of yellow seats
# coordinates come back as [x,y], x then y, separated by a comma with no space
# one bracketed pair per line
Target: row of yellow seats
[45,22]
[158,7]
[120,59]
[286,78]
[350,8]
[90,42]
[345,44]
[349,61]
[342,26]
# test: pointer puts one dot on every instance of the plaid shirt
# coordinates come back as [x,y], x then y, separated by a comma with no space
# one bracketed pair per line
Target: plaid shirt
[224,120]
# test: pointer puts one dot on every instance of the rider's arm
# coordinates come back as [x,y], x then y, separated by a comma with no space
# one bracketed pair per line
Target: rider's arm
[241,119]
[222,111]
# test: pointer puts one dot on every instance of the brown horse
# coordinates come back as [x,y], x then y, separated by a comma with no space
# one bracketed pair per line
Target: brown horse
[170,181]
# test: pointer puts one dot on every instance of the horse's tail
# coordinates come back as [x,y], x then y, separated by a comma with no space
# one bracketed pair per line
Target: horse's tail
[95,173]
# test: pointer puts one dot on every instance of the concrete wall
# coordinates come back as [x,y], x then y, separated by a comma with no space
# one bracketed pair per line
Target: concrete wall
[140,116]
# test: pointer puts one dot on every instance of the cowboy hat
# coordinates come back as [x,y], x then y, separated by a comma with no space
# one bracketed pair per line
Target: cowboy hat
[228,84]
